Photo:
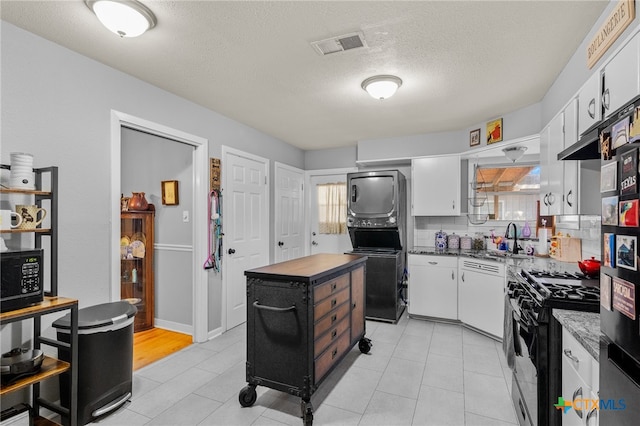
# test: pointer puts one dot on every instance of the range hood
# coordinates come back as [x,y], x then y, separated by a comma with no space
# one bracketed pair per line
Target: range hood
[587,148]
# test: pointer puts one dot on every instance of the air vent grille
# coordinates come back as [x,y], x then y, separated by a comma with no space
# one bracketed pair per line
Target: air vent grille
[339,43]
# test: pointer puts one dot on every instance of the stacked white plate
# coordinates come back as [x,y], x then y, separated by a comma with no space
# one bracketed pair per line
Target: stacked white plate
[22,176]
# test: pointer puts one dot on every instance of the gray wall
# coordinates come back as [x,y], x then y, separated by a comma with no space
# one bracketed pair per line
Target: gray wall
[146,160]
[56,104]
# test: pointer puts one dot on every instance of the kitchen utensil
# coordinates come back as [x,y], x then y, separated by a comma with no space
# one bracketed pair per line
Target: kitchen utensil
[6,219]
[590,267]
[29,215]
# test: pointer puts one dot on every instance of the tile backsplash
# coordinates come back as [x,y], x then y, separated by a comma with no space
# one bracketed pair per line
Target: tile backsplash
[585,227]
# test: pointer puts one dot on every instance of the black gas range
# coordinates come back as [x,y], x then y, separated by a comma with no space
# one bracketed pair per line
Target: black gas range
[536,337]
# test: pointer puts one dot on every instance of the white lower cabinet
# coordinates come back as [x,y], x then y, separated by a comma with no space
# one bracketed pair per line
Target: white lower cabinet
[579,383]
[481,286]
[433,286]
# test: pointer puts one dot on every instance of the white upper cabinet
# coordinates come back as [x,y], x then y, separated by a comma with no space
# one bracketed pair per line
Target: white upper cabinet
[435,186]
[589,103]
[570,181]
[621,77]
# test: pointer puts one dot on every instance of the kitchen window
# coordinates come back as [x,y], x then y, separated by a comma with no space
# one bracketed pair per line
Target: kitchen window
[505,192]
[332,208]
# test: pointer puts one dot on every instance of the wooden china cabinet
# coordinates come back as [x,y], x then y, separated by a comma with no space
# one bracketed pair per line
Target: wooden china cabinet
[136,264]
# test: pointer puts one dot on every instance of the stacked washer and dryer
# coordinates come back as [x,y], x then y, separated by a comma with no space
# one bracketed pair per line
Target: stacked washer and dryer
[376,220]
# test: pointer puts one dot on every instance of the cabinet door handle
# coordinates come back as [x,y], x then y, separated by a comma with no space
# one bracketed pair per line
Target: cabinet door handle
[593,415]
[354,193]
[433,263]
[544,200]
[552,198]
[575,397]
[569,195]
[462,277]
[454,205]
[592,104]
[452,276]
[605,99]
[572,357]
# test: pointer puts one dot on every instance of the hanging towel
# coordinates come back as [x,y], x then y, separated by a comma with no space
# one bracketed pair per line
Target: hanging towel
[507,338]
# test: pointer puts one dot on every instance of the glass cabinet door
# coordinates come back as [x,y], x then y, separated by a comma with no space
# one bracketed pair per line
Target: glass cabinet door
[136,265]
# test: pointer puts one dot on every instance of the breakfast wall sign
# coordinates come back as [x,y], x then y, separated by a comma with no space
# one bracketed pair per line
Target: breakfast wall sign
[619,19]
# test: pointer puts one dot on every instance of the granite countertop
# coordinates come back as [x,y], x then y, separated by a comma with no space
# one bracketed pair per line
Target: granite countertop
[584,326]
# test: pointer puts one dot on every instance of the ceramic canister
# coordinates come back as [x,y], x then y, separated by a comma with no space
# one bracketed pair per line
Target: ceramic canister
[466,242]
[441,240]
[453,241]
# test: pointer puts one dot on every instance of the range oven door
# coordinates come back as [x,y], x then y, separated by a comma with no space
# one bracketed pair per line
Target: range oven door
[525,376]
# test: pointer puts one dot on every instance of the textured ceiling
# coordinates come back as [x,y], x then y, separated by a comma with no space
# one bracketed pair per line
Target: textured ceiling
[462,62]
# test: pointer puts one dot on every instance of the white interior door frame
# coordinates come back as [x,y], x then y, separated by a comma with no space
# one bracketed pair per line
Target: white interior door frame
[308,203]
[199,223]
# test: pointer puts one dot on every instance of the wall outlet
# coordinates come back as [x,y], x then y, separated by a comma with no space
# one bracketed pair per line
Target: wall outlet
[185,215]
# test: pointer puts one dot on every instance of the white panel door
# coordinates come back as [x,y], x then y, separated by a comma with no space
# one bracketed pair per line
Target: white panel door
[246,230]
[325,243]
[289,212]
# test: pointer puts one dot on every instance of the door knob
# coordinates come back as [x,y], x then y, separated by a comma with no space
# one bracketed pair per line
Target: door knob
[231,251]
[280,243]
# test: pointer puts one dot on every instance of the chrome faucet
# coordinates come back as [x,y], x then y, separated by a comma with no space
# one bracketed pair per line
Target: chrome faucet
[516,249]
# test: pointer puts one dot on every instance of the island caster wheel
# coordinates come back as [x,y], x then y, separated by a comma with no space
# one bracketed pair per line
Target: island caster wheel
[365,345]
[307,413]
[248,396]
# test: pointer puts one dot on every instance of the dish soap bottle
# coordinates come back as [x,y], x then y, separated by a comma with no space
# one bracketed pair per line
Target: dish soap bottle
[526,231]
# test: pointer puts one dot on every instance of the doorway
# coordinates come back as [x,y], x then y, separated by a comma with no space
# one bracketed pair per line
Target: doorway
[289,213]
[198,226]
[245,188]
[317,242]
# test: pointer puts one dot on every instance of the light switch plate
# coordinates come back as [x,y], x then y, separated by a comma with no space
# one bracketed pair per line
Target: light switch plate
[185,215]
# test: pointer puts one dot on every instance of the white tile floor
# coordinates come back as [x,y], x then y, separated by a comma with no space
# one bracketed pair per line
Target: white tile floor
[417,373]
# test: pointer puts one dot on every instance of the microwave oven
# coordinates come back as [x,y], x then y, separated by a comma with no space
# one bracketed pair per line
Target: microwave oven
[22,279]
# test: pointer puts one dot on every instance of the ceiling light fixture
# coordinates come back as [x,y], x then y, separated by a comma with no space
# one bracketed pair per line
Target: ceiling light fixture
[514,153]
[127,18]
[381,86]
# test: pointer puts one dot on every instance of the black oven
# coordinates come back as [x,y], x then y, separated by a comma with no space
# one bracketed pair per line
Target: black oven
[537,338]
[22,284]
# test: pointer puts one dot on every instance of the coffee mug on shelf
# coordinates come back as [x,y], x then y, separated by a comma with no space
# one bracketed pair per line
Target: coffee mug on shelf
[29,215]
[6,219]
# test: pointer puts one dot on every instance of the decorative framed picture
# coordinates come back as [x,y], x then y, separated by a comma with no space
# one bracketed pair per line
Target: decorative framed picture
[609,177]
[629,172]
[626,252]
[494,131]
[610,210]
[620,133]
[609,250]
[605,291]
[474,137]
[170,193]
[628,213]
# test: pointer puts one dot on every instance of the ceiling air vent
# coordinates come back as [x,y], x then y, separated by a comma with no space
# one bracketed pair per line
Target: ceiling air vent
[340,43]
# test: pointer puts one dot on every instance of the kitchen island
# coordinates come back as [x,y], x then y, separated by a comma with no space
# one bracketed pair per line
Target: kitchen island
[303,317]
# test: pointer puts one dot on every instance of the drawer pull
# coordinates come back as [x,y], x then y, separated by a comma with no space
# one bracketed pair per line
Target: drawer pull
[568,354]
[273,308]
[334,353]
[333,287]
[354,305]
[334,333]
[333,302]
[334,317]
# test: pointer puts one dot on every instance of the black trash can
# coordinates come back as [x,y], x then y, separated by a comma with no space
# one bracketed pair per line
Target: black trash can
[105,358]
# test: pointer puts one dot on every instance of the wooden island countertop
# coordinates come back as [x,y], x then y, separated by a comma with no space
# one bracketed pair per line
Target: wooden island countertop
[308,268]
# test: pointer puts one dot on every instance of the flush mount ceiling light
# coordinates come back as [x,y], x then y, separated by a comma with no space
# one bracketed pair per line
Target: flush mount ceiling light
[127,18]
[514,153]
[381,86]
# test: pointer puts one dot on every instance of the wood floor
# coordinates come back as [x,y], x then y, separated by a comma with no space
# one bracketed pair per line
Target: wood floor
[154,344]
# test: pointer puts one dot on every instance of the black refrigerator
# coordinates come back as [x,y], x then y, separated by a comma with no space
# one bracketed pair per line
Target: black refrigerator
[619,394]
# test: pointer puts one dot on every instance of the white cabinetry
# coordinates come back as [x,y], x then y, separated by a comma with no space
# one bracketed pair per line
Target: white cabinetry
[433,286]
[481,295]
[621,77]
[435,186]
[559,188]
[589,103]
[578,382]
